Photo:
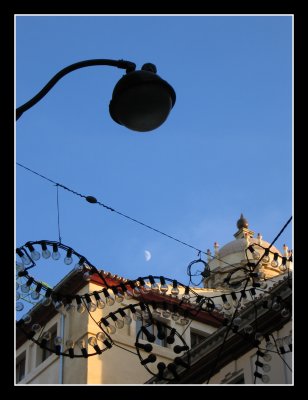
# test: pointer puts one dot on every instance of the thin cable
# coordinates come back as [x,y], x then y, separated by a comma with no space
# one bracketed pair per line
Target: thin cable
[122,214]
[279,353]
[280,232]
[235,311]
[58,211]
[117,345]
[226,336]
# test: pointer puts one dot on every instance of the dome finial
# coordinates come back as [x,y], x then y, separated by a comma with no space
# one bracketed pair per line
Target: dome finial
[242,222]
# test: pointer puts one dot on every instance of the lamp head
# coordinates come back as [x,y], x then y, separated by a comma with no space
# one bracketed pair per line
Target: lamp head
[141,100]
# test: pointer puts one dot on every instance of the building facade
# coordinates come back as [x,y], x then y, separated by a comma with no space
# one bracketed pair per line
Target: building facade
[104,329]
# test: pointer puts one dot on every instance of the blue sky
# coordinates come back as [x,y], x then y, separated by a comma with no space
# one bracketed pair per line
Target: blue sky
[226,147]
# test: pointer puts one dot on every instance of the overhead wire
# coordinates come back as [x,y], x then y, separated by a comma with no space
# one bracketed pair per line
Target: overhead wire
[93,200]
[239,302]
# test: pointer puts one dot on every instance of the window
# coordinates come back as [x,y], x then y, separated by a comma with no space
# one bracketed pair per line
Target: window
[44,353]
[239,380]
[20,367]
[153,330]
[196,338]
[234,378]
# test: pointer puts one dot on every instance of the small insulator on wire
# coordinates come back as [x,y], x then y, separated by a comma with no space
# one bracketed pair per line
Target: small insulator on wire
[91,199]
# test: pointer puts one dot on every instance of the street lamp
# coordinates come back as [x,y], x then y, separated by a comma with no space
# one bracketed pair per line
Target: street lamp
[141,100]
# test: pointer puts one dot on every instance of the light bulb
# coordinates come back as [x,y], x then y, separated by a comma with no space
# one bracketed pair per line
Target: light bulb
[27,319]
[101,336]
[58,341]
[128,295]
[110,301]
[184,321]
[267,357]
[46,301]
[186,298]
[46,335]
[100,304]
[59,306]
[111,329]
[119,297]
[70,343]
[119,323]
[269,346]
[45,252]
[146,315]
[263,285]
[276,306]
[208,306]
[285,313]
[145,288]
[25,288]
[156,313]
[237,321]
[92,341]
[256,255]
[175,316]
[274,263]
[127,320]
[136,292]
[35,255]
[154,287]
[81,344]
[265,378]
[19,306]
[70,308]
[55,253]
[166,313]
[78,267]
[283,268]
[81,308]
[92,307]
[19,267]
[266,368]
[87,276]
[68,260]
[265,258]
[227,305]
[218,307]
[164,288]
[259,336]
[248,329]
[36,328]
[35,295]
[25,259]
[175,291]
[137,316]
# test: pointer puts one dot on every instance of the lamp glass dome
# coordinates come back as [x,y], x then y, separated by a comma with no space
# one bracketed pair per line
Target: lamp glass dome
[141,101]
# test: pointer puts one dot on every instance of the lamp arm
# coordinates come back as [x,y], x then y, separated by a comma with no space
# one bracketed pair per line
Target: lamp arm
[129,66]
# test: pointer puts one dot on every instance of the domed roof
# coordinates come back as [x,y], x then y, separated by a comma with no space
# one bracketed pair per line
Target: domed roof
[239,245]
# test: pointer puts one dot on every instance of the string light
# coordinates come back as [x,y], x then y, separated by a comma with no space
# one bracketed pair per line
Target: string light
[119,317]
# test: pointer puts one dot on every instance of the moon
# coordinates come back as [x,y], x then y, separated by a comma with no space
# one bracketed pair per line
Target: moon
[147,255]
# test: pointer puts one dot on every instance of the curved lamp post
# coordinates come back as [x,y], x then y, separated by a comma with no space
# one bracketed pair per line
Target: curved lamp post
[141,100]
